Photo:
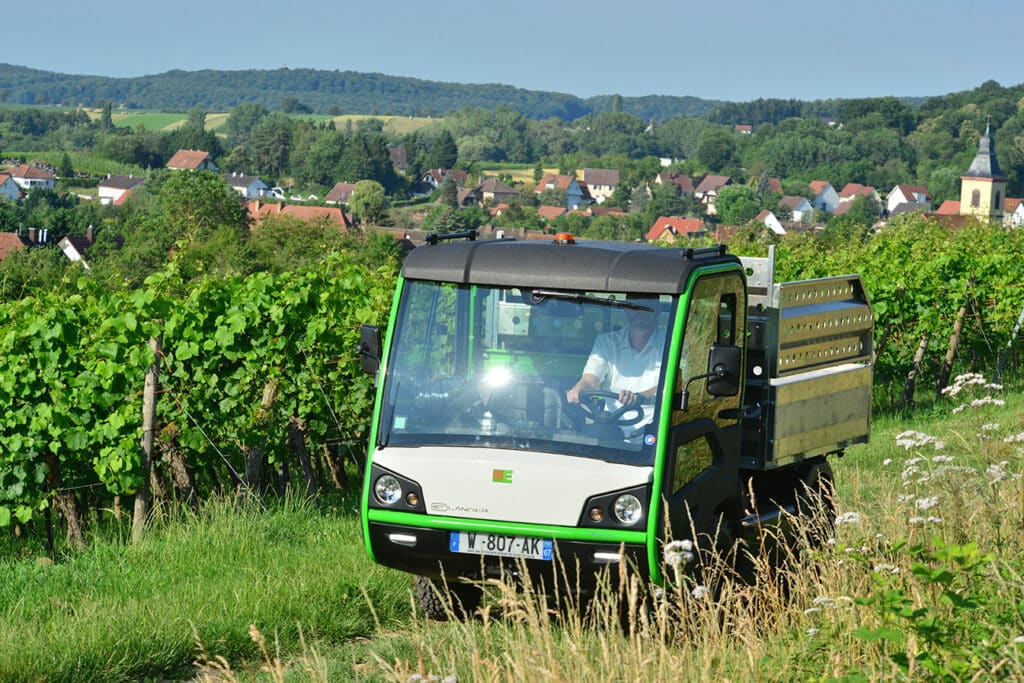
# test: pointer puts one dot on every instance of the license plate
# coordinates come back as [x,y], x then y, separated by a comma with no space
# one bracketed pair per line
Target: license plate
[473,543]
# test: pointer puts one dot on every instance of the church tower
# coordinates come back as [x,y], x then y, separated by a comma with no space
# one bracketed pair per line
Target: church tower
[983,187]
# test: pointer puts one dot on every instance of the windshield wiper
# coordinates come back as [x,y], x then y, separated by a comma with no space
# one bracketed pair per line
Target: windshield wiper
[538,296]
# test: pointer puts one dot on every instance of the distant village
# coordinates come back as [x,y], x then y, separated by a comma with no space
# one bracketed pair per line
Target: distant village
[982,197]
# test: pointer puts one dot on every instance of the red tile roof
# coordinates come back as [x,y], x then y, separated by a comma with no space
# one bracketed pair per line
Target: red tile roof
[10,242]
[188,159]
[950,207]
[341,192]
[554,180]
[1010,205]
[673,225]
[856,190]
[682,181]
[818,186]
[26,171]
[330,214]
[550,212]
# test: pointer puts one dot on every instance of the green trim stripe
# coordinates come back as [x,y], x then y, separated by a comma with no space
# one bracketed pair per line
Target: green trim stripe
[497,527]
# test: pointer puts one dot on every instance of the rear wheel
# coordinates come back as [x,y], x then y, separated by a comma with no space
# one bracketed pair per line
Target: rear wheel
[441,600]
[815,498]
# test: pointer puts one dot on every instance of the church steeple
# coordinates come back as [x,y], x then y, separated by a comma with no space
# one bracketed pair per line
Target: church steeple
[985,164]
[983,186]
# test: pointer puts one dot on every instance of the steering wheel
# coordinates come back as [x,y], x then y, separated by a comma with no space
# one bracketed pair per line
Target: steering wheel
[592,404]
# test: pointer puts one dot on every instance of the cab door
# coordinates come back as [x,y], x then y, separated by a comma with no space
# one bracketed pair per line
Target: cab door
[701,480]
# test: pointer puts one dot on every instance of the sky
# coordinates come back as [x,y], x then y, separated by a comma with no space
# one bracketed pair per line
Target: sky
[735,50]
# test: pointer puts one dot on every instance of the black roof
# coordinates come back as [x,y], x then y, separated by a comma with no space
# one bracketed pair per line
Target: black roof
[583,266]
[985,164]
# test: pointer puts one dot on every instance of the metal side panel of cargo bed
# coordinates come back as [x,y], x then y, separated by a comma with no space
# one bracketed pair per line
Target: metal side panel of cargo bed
[809,366]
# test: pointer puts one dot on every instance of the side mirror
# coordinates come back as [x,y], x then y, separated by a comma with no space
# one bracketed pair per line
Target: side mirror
[724,370]
[369,349]
[723,373]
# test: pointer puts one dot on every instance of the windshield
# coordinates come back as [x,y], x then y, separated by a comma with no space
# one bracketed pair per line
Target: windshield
[563,372]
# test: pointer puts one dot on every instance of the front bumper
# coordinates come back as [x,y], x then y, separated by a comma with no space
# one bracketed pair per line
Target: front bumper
[426,552]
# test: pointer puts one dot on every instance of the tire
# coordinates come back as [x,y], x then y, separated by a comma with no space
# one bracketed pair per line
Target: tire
[815,497]
[441,601]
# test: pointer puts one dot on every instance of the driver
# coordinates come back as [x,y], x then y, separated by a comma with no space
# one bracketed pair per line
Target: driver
[626,362]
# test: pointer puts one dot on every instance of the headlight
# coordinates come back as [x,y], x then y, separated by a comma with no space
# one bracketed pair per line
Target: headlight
[628,509]
[387,489]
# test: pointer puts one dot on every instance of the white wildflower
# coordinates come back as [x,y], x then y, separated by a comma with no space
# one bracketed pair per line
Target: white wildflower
[848,518]
[943,458]
[990,427]
[700,592]
[935,520]
[997,473]
[916,520]
[987,401]
[812,631]
[1019,639]
[960,408]
[678,553]
[885,568]
[905,498]
[927,503]
[811,610]
[887,461]
[824,601]
[1015,438]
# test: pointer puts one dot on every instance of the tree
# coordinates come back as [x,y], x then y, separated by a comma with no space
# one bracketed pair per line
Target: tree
[243,120]
[367,201]
[449,195]
[195,204]
[717,149]
[271,143]
[64,169]
[737,204]
[443,151]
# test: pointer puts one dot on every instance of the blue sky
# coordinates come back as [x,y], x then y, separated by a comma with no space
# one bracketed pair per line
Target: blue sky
[717,49]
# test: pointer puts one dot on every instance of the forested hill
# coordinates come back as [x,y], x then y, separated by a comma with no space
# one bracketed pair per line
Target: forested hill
[322,92]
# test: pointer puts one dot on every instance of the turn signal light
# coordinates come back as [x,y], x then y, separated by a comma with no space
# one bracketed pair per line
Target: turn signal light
[565,238]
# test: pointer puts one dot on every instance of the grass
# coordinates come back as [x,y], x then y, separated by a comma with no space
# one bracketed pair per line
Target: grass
[896,595]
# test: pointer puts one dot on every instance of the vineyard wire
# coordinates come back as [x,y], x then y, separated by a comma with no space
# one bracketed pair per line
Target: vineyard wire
[330,408]
[234,474]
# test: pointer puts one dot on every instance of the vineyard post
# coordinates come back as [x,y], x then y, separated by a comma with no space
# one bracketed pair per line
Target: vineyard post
[908,387]
[954,342]
[143,495]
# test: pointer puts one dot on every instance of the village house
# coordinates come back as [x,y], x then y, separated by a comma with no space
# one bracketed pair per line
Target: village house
[8,188]
[1013,213]
[825,196]
[493,191]
[248,186]
[799,208]
[576,194]
[29,177]
[771,221]
[681,181]
[340,193]
[550,213]
[435,176]
[851,191]
[11,242]
[114,189]
[908,194]
[601,182]
[668,228]
[192,160]
[708,189]
[330,215]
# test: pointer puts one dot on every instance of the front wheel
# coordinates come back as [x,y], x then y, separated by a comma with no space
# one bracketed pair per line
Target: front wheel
[442,601]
